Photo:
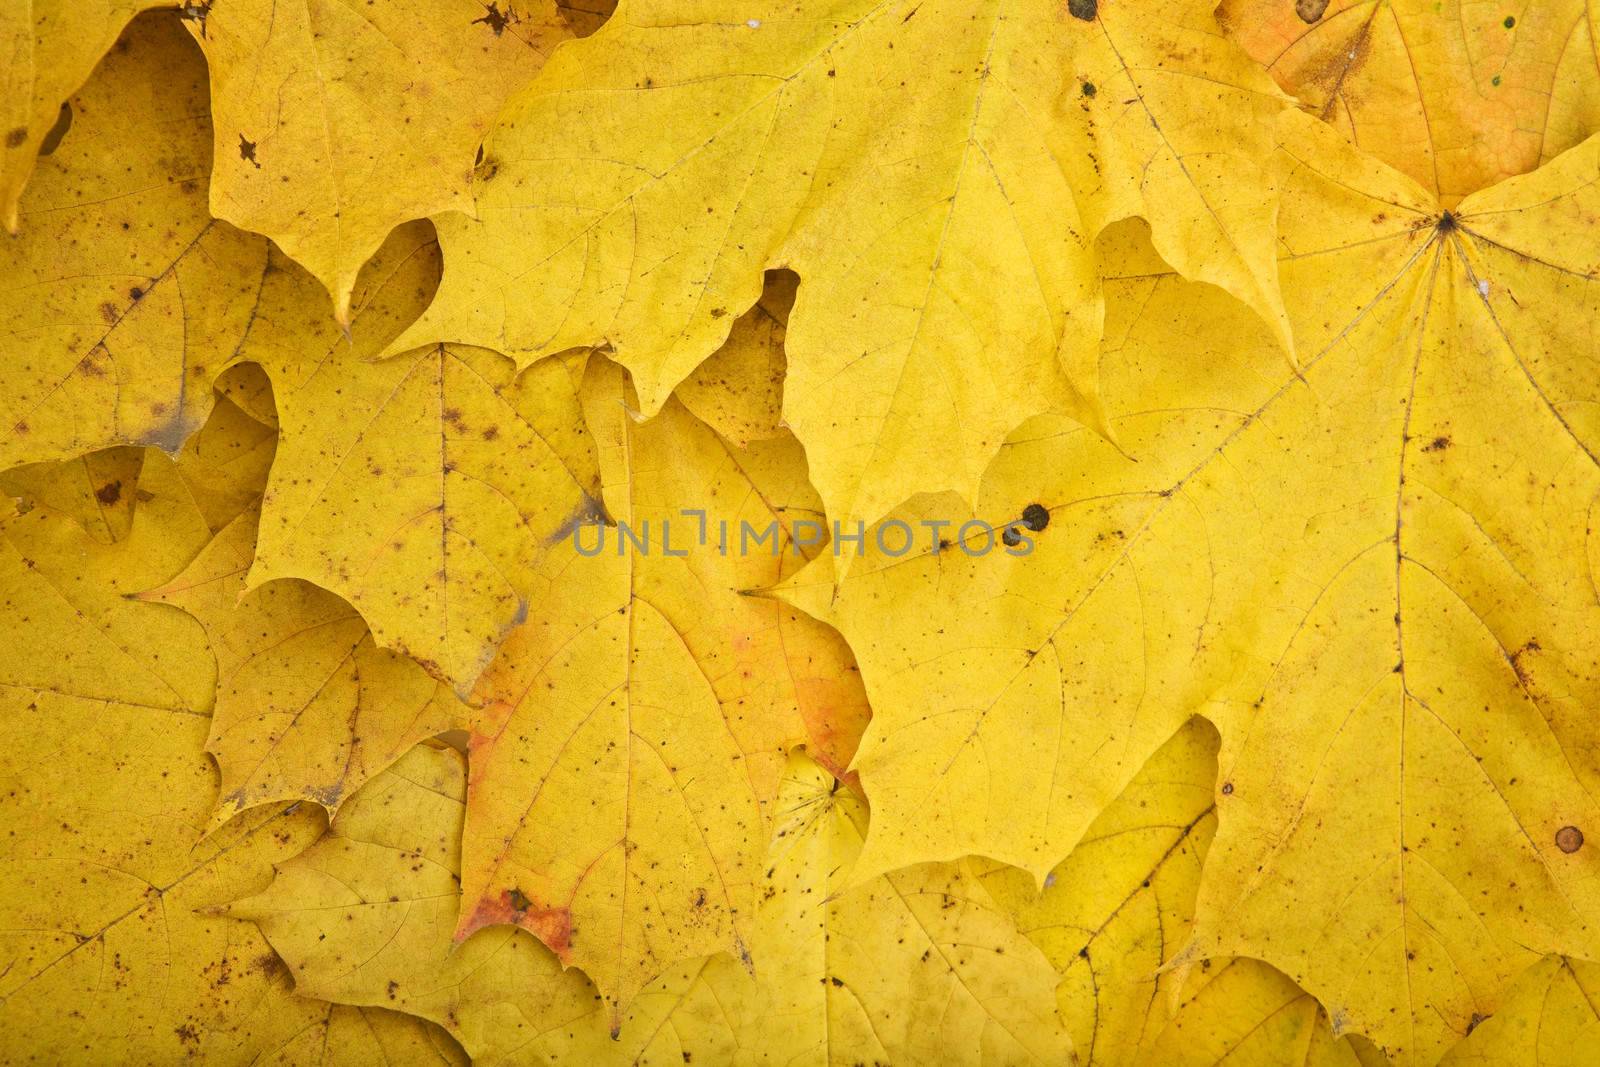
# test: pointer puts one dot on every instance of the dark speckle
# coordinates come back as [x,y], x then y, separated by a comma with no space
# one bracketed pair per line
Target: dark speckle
[1446,223]
[1088,89]
[1511,20]
[1438,444]
[1036,517]
[247,152]
[1569,839]
[1227,789]
[109,493]
[1083,9]
[519,900]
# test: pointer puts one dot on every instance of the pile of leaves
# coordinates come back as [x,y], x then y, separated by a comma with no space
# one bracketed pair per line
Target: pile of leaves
[1178,433]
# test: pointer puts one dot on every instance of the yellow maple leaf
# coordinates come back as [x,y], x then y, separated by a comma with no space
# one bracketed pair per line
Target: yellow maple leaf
[361,1036]
[1245,1013]
[366,916]
[1373,578]
[96,490]
[123,296]
[1113,912]
[1547,1017]
[308,707]
[634,193]
[225,462]
[51,46]
[633,729]
[920,966]
[423,488]
[738,390]
[335,124]
[107,952]
[1457,94]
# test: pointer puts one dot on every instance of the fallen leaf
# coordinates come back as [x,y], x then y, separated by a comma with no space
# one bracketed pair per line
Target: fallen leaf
[636,191]
[1374,578]
[633,729]
[96,490]
[1121,905]
[225,463]
[335,124]
[359,1036]
[1457,94]
[738,390]
[109,953]
[425,488]
[308,707]
[367,916]
[919,966]
[1244,1013]
[123,296]
[1548,1017]
[52,46]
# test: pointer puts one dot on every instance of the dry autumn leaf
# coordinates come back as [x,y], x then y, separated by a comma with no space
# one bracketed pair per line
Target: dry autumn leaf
[96,490]
[1120,906]
[335,123]
[1458,94]
[423,488]
[1114,913]
[918,967]
[1244,1013]
[1548,1017]
[308,707]
[122,295]
[50,47]
[367,915]
[1374,578]
[108,954]
[634,194]
[634,727]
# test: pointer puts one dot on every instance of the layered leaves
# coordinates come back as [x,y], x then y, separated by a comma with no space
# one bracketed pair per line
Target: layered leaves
[1374,578]
[423,489]
[336,123]
[634,728]
[635,192]
[109,951]
[122,295]
[1458,95]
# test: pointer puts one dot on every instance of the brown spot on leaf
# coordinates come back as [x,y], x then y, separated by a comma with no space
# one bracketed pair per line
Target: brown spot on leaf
[1036,517]
[247,151]
[1438,444]
[1310,10]
[15,137]
[1569,839]
[1083,9]
[109,493]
